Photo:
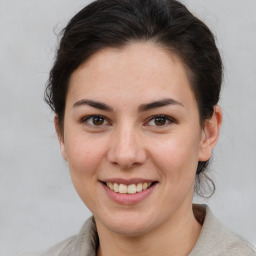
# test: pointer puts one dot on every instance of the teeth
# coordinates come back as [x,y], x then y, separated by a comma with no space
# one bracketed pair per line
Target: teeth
[123,189]
[111,185]
[131,189]
[139,187]
[116,187]
[144,186]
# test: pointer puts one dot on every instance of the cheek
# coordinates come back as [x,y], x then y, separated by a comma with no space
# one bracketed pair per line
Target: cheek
[84,158]
[177,155]
[84,155]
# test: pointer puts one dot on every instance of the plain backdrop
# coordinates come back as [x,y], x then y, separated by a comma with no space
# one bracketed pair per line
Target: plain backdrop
[38,204]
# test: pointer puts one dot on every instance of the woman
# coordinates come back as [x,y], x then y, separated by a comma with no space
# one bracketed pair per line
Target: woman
[135,88]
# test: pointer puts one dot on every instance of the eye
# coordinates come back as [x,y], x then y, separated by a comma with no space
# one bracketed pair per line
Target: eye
[95,120]
[160,120]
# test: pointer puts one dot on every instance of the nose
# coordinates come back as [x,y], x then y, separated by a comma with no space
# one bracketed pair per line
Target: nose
[126,148]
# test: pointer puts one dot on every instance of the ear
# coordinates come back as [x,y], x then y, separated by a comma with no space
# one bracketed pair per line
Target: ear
[210,134]
[60,137]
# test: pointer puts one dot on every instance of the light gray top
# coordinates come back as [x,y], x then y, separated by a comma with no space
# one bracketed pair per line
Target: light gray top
[214,239]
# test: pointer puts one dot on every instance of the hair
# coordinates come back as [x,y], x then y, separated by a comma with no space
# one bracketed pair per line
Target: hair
[116,23]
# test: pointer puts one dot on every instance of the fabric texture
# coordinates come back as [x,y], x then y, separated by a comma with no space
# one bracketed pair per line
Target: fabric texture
[214,239]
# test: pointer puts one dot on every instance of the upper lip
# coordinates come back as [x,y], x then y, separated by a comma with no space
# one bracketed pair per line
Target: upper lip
[127,181]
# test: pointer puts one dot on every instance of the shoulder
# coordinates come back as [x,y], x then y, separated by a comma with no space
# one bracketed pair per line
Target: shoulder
[62,248]
[216,240]
[85,243]
[233,244]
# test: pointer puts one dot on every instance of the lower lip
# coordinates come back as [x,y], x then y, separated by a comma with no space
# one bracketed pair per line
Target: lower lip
[128,199]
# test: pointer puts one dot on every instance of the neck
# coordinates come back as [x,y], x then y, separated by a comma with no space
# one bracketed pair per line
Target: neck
[177,237]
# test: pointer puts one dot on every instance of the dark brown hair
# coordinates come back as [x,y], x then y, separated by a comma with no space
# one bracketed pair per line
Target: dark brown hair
[116,23]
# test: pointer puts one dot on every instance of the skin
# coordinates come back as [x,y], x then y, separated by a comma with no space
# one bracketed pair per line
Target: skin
[129,144]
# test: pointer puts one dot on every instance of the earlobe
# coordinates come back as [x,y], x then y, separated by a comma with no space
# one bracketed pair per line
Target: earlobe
[60,137]
[210,134]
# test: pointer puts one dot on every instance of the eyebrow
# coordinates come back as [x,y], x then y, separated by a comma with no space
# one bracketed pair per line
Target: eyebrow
[142,108]
[158,104]
[94,104]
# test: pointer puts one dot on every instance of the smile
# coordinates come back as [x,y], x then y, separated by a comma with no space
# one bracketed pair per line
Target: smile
[128,189]
[128,192]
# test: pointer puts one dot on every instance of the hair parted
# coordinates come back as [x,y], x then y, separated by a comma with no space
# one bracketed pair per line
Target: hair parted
[116,23]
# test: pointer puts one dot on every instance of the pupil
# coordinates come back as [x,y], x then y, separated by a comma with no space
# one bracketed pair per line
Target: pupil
[160,121]
[98,120]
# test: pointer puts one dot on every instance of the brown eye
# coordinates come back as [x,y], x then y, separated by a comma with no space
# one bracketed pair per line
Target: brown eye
[98,120]
[159,121]
[95,120]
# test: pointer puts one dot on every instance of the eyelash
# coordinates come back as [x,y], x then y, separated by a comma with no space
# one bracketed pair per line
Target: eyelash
[165,117]
[87,119]
[104,119]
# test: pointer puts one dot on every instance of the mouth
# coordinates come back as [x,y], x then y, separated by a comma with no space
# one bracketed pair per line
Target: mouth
[130,189]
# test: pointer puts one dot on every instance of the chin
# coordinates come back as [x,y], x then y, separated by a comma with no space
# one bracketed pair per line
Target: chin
[128,224]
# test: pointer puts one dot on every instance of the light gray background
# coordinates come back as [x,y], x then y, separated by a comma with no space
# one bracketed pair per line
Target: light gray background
[38,205]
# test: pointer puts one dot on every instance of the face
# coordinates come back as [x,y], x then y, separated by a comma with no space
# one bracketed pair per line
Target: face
[132,138]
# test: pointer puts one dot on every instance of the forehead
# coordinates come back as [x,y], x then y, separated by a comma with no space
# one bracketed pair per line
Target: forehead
[136,68]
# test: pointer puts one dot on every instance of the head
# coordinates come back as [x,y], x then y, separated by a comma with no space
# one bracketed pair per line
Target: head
[108,28]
